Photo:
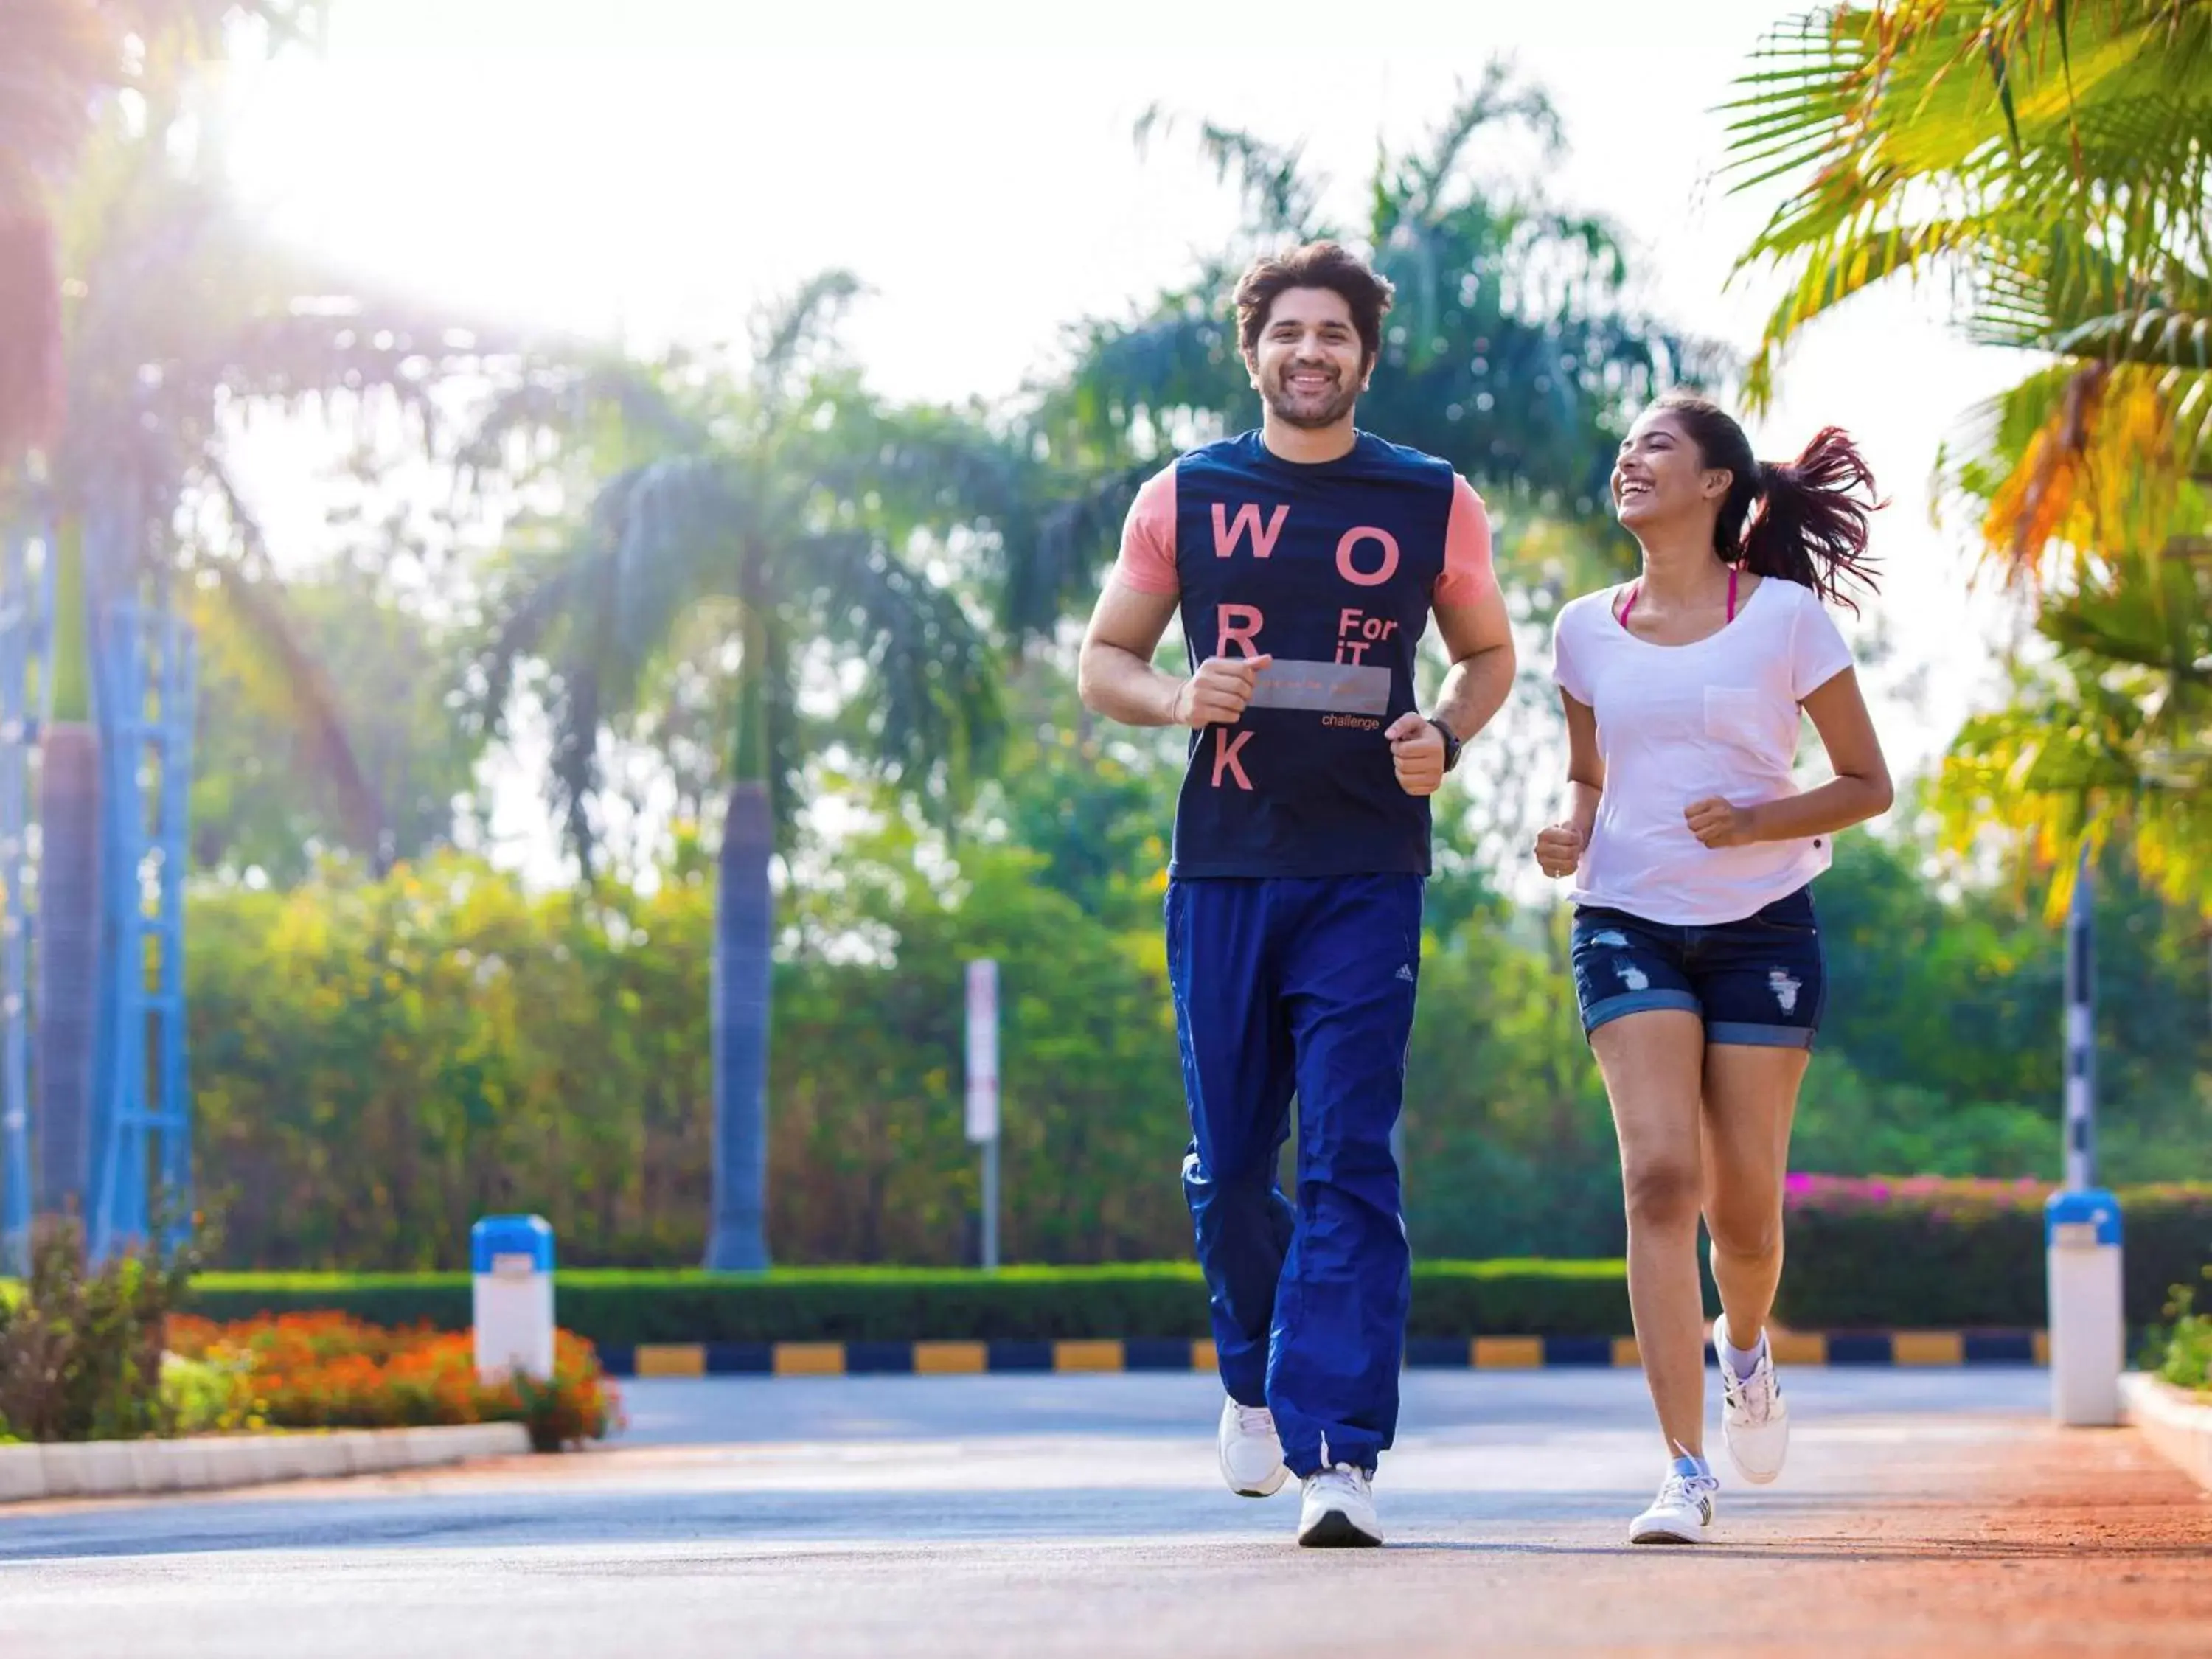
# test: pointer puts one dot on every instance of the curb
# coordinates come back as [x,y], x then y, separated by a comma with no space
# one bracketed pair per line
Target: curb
[1484,1354]
[2176,1423]
[116,1468]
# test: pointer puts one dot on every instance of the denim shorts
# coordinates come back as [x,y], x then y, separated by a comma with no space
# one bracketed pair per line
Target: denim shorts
[1759,982]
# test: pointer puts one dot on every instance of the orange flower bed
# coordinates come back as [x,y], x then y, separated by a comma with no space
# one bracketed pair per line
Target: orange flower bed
[329,1371]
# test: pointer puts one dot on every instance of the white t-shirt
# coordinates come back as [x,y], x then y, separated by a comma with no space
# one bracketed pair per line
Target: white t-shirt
[1676,724]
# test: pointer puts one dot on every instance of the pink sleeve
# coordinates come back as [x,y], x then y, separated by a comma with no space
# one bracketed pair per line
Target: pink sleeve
[1148,538]
[1468,574]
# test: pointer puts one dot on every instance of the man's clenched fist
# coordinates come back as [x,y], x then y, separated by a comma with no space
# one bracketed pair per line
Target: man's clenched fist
[1218,694]
[1417,751]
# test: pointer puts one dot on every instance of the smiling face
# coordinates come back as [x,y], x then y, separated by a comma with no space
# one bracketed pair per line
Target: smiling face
[1308,364]
[1660,478]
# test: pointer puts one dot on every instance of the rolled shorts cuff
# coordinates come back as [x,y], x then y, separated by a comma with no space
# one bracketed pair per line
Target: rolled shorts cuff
[1639,1002]
[1736,1034]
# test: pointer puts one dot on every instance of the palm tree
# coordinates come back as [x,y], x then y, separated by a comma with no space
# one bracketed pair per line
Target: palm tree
[1510,351]
[58,59]
[2113,729]
[773,526]
[2052,156]
[2057,161]
[183,323]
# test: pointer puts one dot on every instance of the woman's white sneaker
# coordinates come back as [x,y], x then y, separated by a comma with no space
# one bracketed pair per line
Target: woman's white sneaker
[1681,1514]
[1338,1510]
[1251,1453]
[1754,1420]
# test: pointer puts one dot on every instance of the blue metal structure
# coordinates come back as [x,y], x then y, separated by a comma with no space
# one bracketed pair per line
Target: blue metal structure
[26,611]
[143,666]
[144,674]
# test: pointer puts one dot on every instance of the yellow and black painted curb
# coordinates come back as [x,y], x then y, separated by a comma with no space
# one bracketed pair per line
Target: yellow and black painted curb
[1482,1353]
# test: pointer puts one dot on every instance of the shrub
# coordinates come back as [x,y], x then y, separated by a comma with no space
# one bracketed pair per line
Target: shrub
[2182,1352]
[207,1396]
[1925,1251]
[81,1347]
[329,1371]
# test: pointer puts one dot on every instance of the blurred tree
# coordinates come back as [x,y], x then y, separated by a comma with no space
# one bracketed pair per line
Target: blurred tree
[180,321]
[60,62]
[257,804]
[1511,350]
[774,526]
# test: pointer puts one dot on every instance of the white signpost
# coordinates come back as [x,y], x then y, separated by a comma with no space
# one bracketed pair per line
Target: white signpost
[983,1093]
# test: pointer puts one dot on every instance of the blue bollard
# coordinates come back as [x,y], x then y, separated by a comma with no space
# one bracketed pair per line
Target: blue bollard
[2088,1317]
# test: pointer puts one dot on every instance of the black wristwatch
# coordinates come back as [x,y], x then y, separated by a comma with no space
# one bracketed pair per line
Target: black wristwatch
[1451,742]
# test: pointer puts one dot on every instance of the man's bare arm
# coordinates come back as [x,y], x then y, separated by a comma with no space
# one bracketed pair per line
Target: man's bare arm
[1115,677]
[1480,637]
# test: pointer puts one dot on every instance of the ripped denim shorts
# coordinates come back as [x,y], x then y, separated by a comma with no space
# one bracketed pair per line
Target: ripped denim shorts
[1759,982]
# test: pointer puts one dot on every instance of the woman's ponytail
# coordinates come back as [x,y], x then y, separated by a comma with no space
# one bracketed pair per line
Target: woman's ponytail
[1803,521]
[1809,525]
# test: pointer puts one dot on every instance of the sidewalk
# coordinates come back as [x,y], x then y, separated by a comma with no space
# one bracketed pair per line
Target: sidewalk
[1893,1533]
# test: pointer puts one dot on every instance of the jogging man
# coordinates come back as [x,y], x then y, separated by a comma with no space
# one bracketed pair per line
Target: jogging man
[1306,560]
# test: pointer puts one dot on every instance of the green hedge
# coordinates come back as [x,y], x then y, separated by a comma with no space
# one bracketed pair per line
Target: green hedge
[1923,1254]
[1450,1298]
[1938,1254]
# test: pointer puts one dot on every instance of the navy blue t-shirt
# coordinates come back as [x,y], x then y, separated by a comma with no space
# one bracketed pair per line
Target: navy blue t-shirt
[1330,567]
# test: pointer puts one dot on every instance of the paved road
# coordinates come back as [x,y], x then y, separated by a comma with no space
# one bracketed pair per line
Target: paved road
[1052,1515]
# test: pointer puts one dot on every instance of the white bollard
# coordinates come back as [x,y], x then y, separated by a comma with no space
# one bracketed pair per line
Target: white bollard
[2088,1311]
[512,1258]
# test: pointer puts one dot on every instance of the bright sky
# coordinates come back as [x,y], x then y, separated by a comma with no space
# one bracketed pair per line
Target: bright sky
[652,169]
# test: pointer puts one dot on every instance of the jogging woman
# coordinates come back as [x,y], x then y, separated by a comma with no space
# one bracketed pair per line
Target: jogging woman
[1697,956]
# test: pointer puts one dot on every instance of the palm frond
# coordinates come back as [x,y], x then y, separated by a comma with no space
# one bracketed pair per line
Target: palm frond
[1283,203]
[791,335]
[254,597]
[932,719]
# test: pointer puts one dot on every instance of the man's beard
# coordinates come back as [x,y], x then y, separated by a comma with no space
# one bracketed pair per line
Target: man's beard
[1279,404]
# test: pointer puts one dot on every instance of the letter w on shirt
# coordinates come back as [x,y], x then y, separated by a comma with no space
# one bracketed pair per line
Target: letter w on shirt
[1228,532]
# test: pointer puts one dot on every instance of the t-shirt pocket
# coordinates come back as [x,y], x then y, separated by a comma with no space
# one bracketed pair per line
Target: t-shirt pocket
[1736,716]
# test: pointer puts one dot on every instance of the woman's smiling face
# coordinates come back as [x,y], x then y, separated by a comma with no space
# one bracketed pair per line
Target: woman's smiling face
[1660,475]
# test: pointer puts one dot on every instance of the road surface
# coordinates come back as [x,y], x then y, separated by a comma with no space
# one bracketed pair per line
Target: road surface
[1066,1515]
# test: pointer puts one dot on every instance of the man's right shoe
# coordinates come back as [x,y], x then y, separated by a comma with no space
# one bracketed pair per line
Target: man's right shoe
[1339,1510]
[1251,1455]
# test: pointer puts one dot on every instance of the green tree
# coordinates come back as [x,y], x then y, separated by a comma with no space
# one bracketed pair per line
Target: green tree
[768,524]
[258,803]
[2057,159]
[1511,351]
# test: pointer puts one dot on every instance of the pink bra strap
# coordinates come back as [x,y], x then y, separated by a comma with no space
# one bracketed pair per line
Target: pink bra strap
[1731,615]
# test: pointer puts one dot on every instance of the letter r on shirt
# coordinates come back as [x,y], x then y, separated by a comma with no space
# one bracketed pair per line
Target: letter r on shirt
[1240,625]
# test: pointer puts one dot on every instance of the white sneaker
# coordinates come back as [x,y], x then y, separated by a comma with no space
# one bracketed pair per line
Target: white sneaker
[1680,1515]
[1339,1510]
[1251,1455]
[1754,1420]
